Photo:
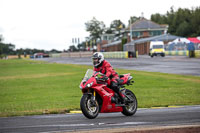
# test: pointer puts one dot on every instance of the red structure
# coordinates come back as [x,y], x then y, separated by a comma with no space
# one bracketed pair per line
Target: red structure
[194,39]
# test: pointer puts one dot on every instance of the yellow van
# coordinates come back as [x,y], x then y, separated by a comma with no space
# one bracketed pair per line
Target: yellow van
[157,48]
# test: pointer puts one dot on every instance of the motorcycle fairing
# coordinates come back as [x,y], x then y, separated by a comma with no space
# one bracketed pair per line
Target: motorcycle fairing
[106,95]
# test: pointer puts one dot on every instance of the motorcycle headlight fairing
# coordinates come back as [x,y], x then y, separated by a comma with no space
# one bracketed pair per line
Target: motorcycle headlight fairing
[81,87]
[89,85]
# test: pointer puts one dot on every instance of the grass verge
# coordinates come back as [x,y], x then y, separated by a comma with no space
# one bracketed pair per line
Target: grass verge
[33,87]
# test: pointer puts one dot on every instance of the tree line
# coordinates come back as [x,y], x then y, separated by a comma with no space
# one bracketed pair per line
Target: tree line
[9,49]
[183,22]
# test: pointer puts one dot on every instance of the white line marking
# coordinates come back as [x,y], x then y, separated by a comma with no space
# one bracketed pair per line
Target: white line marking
[76,125]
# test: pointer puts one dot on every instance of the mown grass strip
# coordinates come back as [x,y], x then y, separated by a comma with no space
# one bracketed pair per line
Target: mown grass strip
[35,76]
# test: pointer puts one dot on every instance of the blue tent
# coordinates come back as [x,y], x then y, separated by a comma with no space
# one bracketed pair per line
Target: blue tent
[190,46]
[176,46]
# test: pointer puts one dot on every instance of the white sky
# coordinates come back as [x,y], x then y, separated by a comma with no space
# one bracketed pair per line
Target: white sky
[51,24]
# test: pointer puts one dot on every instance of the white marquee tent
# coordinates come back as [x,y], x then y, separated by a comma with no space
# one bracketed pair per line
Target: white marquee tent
[181,40]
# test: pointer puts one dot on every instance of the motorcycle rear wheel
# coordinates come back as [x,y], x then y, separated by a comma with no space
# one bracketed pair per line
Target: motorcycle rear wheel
[130,108]
[89,108]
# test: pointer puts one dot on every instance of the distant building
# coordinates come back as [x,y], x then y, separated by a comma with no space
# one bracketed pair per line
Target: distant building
[142,28]
[142,45]
[145,28]
[105,39]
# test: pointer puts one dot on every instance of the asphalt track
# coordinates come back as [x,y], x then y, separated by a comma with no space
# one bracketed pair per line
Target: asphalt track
[159,117]
[170,64]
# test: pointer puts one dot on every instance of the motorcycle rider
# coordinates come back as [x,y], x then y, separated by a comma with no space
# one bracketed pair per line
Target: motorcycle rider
[103,66]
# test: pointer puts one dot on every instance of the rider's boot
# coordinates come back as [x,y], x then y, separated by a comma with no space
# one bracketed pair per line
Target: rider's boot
[116,88]
[121,96]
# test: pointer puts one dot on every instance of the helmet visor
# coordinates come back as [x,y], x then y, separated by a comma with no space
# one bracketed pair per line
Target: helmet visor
[95,61]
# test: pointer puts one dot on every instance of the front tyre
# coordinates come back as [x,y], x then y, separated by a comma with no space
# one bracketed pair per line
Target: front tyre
[131,107]
[89,107]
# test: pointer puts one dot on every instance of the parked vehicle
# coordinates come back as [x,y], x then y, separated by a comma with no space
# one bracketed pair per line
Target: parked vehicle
[40,55]
[157,48]
[99,98]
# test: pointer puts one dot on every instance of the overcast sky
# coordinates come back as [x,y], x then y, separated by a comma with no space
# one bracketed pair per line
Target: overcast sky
[51,24]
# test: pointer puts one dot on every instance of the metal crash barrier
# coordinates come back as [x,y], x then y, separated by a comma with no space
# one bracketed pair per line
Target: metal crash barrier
[181,53]
[195,53]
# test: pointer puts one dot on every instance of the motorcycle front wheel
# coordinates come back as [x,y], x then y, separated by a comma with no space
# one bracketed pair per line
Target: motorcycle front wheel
[89,107]
[130,108]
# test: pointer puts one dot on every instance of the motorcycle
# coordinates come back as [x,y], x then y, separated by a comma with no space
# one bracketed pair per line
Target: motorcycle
[99,98]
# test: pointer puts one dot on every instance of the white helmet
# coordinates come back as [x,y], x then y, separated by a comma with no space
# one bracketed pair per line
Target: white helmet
[98,58]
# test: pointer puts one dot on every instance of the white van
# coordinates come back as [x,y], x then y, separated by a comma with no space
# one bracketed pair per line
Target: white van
[157,48]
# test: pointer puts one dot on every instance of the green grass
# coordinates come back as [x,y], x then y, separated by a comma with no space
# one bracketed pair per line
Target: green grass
[33,87]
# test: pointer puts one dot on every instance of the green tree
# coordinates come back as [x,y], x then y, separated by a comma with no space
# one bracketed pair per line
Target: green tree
[132,20]
[1,38]
[55,51]
[96,28]
[6,49]
[1,45]
[160,19]
[195,22]
[115,28]
[183,22]
[183,29]
[73,48]
[81,46]
[170,21]
[117,25]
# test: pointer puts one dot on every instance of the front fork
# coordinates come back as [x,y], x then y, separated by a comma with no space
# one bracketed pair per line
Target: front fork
[93,98]
[92,93]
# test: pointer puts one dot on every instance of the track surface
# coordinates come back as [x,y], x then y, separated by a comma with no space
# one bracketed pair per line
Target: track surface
[187,115]
[169,64]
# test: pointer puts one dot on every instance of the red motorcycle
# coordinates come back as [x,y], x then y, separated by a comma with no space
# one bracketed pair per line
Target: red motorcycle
[99,98]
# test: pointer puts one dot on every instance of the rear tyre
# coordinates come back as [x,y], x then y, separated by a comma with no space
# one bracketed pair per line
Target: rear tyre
[130,108]
[89,108]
